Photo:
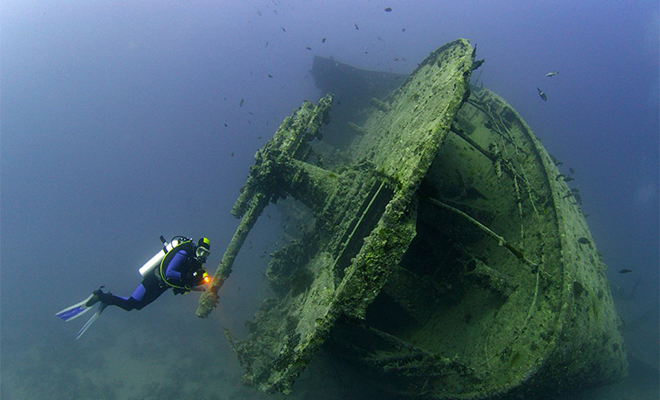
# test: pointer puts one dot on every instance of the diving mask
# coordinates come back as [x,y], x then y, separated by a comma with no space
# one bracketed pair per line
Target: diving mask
[202,252]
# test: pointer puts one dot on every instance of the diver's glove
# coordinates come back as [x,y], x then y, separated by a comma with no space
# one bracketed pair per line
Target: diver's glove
[195,277]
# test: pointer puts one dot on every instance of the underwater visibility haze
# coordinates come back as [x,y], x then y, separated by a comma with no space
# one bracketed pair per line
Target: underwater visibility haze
[124,121]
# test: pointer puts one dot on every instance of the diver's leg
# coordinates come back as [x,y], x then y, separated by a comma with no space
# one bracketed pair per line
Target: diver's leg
[127,304]
[148,291]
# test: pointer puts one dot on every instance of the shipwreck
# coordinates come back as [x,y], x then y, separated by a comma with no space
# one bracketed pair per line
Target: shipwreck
[440,254]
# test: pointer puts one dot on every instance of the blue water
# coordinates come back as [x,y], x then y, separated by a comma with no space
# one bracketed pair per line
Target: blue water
[125,120]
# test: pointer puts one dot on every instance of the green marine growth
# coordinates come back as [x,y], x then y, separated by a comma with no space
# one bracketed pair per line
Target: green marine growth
[435,286]
[286,270]
[381,105]
[357,128]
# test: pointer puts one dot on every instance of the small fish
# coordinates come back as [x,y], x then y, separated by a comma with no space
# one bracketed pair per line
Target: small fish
[357,28]
[568,179]
[240,103]
[270,76]
[542,94]
[571,170]
[226,125]
[283,30]
[551,74]
[625,271]
[477,63]
[403,30]
[232,153]
[323,40]
[584,240]
[559,176]
[388,9]
[308,48]
[266,44]
[577,197]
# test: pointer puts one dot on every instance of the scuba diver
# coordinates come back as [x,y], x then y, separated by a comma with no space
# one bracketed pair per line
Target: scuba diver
[179,266]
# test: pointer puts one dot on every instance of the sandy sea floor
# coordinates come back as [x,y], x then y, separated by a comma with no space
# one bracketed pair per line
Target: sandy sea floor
[136,366]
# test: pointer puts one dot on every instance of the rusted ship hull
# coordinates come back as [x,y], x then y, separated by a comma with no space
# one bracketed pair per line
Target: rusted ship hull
[443,255]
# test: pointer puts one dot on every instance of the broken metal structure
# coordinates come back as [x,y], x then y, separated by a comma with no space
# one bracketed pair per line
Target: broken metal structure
[443,257]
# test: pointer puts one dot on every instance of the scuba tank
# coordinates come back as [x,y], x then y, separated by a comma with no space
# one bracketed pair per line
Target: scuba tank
[155,261]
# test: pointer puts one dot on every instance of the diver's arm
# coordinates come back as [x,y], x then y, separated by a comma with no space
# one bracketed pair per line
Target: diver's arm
[172,272]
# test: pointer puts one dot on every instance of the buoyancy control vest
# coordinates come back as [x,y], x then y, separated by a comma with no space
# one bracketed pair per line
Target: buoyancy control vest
[189,277]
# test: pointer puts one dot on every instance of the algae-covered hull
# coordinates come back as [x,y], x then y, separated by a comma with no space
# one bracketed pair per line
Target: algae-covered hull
[444,257]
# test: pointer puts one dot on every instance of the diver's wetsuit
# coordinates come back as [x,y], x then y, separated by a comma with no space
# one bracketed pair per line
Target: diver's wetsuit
[152,287]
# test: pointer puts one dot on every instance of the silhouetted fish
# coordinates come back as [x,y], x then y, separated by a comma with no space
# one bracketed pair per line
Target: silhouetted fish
[551,74]
[543,96]
[625,271]
[388,9]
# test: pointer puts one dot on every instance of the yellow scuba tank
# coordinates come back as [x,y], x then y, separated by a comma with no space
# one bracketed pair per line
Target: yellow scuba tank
[155,261]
